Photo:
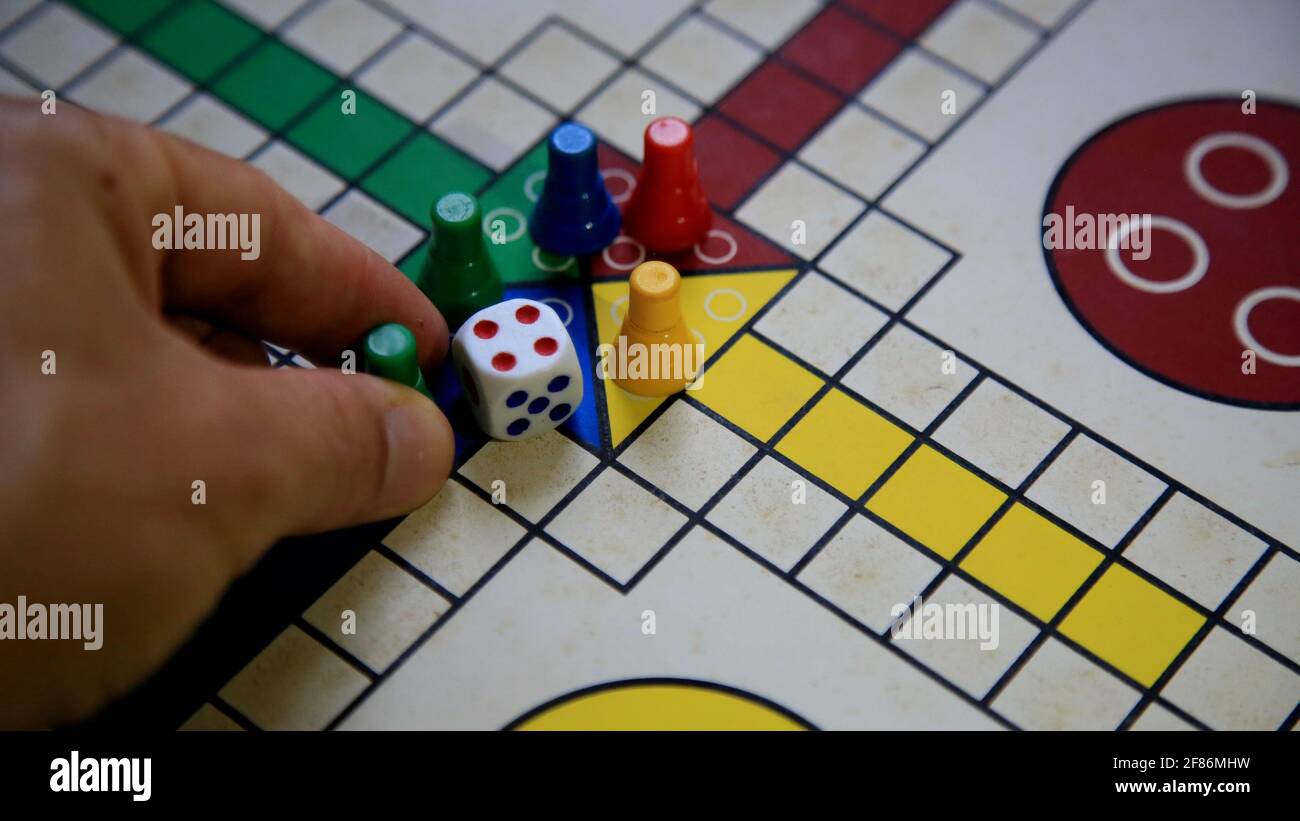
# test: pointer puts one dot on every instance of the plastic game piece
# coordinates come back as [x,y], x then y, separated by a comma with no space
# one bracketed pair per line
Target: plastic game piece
[668,210]
[574,215]
[519,368]
[654,317]
[390,352]
[458,275]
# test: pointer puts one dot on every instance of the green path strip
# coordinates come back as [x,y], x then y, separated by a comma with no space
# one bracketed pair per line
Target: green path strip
[122,16]
[199,39]
[274,84]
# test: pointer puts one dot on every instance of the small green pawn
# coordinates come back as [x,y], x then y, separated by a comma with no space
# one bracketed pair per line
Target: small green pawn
[391,353]
[458,275]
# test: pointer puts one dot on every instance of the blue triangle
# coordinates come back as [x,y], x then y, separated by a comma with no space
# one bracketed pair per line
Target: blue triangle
[583,424]
[569,302]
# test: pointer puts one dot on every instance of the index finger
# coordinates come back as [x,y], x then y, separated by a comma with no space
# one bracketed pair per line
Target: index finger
[311,287]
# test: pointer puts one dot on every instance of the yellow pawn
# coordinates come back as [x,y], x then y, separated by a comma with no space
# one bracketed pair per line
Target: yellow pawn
[654,332]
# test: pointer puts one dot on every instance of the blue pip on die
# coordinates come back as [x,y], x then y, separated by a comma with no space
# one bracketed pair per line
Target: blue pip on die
[519,369]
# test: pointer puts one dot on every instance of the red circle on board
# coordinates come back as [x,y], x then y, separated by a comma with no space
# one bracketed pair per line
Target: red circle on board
[1179,328]
[527,314]
[546,346]
[503,361]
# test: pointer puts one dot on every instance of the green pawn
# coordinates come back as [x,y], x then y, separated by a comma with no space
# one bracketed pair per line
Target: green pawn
[458,275]
[391,353]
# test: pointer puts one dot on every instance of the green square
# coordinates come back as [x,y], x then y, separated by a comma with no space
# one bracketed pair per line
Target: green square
[349,143]
[120,15]
[199,39]
[274,84]
[518,259]
[420,172]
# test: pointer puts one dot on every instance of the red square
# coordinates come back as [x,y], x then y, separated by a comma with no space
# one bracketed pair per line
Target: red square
[731,163]
[780,106]
[907,17]
[841,50]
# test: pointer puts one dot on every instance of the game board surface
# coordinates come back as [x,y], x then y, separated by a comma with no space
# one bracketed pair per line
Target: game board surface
[647,566]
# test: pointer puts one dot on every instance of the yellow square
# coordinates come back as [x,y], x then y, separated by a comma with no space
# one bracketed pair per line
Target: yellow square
[844,443]
[1132,624]
[756,387]
[936,501]
[1031,561]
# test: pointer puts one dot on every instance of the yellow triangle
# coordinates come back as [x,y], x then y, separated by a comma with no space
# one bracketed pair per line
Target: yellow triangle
[715,306]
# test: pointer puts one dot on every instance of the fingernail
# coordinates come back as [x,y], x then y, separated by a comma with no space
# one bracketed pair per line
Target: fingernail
[419,454]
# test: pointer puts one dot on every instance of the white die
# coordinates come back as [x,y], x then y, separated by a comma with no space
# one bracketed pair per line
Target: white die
[518,367]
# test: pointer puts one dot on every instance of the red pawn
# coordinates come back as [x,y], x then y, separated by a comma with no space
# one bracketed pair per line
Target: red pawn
[668,211]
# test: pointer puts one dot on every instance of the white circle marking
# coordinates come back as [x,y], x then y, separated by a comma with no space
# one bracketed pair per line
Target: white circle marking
[1278,173]
[568,309]
[726,257]
[1241,323]
[623,239]
[530,184]
[1200,257]
[537,260]
[708,305]
[505,211]
[625,176]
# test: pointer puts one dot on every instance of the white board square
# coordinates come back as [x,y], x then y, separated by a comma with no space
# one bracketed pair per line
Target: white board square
[537,472]
[1197,551]
[493,124]
[795,195]
[387,610]
[885,260]
[215,125]
[1001,432]
[416,76]
[56,45]
[1067,488]
[866,571]
[820,322]
[1058,689]
[702,59]
[911,90]
[454,538]
[687,454]
[310,183]
[616,525]
[908,375]
[559,67]
[861,151]
[130,85]
[386,233]
[341,34]
[761,513]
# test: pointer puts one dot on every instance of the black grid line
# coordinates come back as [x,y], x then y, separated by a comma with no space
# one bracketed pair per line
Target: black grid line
[219,704]
[592,325]
[334,647]
[754,319]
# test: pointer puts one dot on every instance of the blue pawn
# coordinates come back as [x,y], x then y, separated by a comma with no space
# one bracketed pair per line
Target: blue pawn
[575,215]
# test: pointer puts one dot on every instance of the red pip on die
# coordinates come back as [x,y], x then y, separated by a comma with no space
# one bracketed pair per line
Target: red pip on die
[519,369]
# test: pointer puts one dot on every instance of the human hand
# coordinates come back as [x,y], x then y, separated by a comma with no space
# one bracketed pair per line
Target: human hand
[160,382]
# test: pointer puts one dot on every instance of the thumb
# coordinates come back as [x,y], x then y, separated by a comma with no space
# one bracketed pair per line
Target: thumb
[344,449]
